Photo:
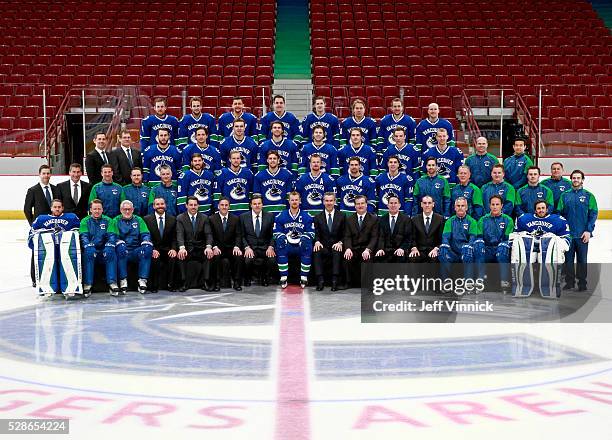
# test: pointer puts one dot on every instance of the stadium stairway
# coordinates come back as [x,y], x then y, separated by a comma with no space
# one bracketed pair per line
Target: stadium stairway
[292,74]
[604,9]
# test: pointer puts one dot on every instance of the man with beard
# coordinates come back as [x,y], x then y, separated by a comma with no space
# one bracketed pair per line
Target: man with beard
[197,182]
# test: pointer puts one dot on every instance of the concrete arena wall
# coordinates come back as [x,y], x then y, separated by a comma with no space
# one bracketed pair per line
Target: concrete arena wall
[15,188]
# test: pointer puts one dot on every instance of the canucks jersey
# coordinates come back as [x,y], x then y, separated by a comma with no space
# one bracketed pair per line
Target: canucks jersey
[390,123]
[438,189]
[515,169]
[47,222]
[580,208]
[368,127]
[247,147]
[169,194]
[237,187]
[294,227]
[94,231]
[557,187]
[273,188]
[133,231]
[459,231]
[211,156]
[366,155]
[426,133]
[495,229]
[481,166]
[474,198]
[312,189]
[328,121]
[109,194]
[153,159]
[502,189]
[448,162]
[139,196]
[329,158]
[287,150]
[527,195]
[409,159]
[151,125]
[551,223]
[349,187]
[188,126]
[201,186]
[291,125]
[401,186]
[226,125]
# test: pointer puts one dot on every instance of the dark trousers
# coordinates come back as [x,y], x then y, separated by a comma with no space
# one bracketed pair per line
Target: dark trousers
[194,269]
[235,265]
[162,270]
[322,259]
[352,267]
[32,271]
[267,265]
[390,257]
[577,252]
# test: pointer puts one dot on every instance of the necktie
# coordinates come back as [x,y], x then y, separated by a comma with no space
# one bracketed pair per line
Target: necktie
[104,157]
[392,223]
[48,195]
[193,222]
[224,223]
[257,226]
[329,222]
[75,194]
[129,155]
[360,221]
[427,223]
[161,226]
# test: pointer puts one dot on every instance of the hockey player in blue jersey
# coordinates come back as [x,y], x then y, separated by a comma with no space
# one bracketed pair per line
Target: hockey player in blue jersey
[499,186]
[210,155]
[107,191]
[557,183]
[56,221]
[197,182]
[326,151]
[408,155]
[286,149]
[189,123]
[516,165]
[236,183]
[367,126]
[291,125]
[137,193]
[579,207]
[151,125]
[394,184]
[274,184]
[167,190]
[245,145]
[426,129]
[356,148]
[320,118]
[481,163]
[434,186]
[471,192]
[158,155]
[293,235]
[541,222]
[131,240]
[354,184]
[93,232]
[226,121]
[448,158]
[312,186]
[534,190]
[458,238]
[396,119]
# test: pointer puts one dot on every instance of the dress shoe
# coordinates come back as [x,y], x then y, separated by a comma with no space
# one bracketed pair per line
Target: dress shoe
[320,285]
[171,289]
[334,286]
[153,290]
[216,288]
[183,288]
[569,286]
[582,288]
[237,286]
[265,282]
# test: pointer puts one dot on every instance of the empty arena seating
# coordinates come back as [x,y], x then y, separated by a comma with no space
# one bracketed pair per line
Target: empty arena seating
[436,48]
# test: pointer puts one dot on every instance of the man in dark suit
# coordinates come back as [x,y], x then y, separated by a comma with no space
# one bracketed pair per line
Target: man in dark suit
[38,201]
[395,235]
[360,240]
[194,241]
[257,227]
[96,158]
[74,192]
[427,230]
[329,233]
[227,239]
[125,158]
[162,227]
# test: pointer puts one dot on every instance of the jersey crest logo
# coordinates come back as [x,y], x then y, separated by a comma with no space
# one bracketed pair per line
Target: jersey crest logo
[487,163]
[502,225]
[314,198]
[273,193]
[561,188]
[443,170]
[582,199]
[437,185]
[349,199]
[202,194]
[238,192]
[388,195]
[465,226]
[293,236]
[540,195]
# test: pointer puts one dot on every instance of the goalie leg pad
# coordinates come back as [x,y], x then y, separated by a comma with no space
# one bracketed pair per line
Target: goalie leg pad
[45,265]
[71,276]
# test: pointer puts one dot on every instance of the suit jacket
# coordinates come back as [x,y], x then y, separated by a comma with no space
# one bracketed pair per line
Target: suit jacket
[401,237]
[168,241]
[422,240]
[194,241]
[35,202]
[322,233]
[121,165]
[93,166]
[248,231]
[65,193]
[367,237]
[232,237]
